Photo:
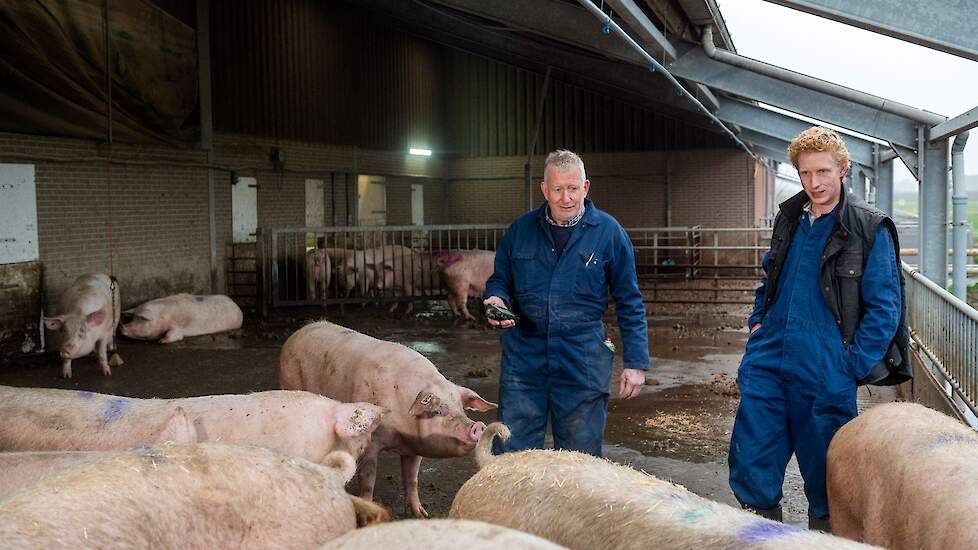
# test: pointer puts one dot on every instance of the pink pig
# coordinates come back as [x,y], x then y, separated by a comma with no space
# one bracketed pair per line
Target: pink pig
[465,273]
[172,318]
[427,415]
[89,316]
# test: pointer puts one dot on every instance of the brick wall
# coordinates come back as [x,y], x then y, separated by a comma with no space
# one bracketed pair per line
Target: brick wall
[145,219]
[710,187]
[147,215]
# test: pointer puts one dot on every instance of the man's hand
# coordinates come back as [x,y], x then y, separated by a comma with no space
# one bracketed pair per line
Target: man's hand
[632,381]
[754,328]
[498,302]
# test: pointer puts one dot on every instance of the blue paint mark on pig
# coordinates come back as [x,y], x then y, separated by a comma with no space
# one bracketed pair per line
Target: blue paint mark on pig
[115,408]
[86,394]
[762,531]
[200,298]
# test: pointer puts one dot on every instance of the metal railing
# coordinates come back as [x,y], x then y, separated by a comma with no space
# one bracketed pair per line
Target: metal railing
[288,266]
[946,331]
[361,264]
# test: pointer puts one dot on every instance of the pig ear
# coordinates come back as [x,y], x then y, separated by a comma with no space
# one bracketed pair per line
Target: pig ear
[179,428]
[96,319]
[473,401]
[425,403]
[353,419]
[54,323]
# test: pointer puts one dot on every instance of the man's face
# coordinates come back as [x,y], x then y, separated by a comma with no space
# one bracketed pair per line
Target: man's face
[821,176]
[564,192]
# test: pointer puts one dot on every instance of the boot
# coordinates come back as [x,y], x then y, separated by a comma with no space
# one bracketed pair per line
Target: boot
[820,524]
[767,513]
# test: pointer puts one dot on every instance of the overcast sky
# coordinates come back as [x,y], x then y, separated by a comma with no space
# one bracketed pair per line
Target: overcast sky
[859,59]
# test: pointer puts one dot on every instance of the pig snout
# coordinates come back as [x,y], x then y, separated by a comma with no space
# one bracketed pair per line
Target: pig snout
[66,354]
[475,431]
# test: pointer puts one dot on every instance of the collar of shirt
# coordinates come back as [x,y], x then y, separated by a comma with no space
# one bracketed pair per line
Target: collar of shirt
[569,223]
[807,212]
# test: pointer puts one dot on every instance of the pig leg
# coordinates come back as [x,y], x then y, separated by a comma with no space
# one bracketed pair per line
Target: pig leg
[173,335]
[66,368]
[115,360]
[410,466]
[368,473]
[103,356]
[463,302]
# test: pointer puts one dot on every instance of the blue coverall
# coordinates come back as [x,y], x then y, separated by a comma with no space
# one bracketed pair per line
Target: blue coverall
[554,361]
[797,381]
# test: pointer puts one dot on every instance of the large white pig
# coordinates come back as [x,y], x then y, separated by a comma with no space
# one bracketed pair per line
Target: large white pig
[584,502]
[398,271]
[90,310]
[19,469]
[903,476]
[318,273]
[172,318]
[187,496]
[427,415]
[297,423]
[464,273]
[439,534]
[354,273]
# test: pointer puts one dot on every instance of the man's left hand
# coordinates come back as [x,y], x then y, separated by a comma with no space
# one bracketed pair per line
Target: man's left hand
[632,381]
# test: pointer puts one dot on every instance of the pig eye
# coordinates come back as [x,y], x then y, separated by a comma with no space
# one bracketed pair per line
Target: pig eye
[140,318]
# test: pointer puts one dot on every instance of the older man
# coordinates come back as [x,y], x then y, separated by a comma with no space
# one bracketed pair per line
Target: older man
[554,268]
[828,316]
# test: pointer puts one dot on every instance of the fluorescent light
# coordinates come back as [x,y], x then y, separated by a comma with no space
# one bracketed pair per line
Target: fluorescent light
[420,152]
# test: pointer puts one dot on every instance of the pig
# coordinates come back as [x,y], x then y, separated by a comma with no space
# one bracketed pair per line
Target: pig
[901,475]
[584,502]
[187,496]
[297,423]
[90,310]
[427,415]
[398,270]
[464,273]
[439,534]
[172,318]
[20,469]
[354,273]
[318,272]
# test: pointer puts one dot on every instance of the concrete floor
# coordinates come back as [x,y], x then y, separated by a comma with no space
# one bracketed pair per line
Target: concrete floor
[678,429]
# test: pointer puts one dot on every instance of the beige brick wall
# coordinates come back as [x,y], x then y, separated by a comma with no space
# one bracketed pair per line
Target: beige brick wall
[147,215]
[712,188]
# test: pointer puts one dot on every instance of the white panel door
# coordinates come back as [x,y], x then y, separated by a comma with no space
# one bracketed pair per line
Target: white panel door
[244,210]
[371,200]
[417,204]
[315,203]
[18,214]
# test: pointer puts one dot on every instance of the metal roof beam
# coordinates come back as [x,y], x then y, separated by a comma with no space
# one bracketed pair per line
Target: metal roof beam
[655,43]
[777,149]
[936,24]
[784,127]
[696,65]
[955,126]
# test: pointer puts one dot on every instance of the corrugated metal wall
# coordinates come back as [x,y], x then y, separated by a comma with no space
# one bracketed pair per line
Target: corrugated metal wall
[328,72]
[493,112]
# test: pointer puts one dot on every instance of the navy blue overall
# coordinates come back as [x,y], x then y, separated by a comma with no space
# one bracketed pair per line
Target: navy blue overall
[555,364]
[797,381]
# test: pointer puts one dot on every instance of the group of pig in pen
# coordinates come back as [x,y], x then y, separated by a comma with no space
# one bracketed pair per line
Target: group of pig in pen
[390,264]
[270,469]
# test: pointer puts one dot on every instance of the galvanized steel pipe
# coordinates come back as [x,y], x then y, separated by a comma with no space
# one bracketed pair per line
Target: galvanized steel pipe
[816,84]
[604,18]
[959,217]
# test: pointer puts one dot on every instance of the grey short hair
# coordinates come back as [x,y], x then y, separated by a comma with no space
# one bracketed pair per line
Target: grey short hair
[562,159]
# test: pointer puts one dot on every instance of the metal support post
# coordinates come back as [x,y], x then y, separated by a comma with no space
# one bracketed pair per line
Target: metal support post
[933,212]
[884,187]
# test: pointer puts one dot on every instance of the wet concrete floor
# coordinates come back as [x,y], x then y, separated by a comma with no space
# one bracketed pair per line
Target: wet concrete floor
[677,429]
